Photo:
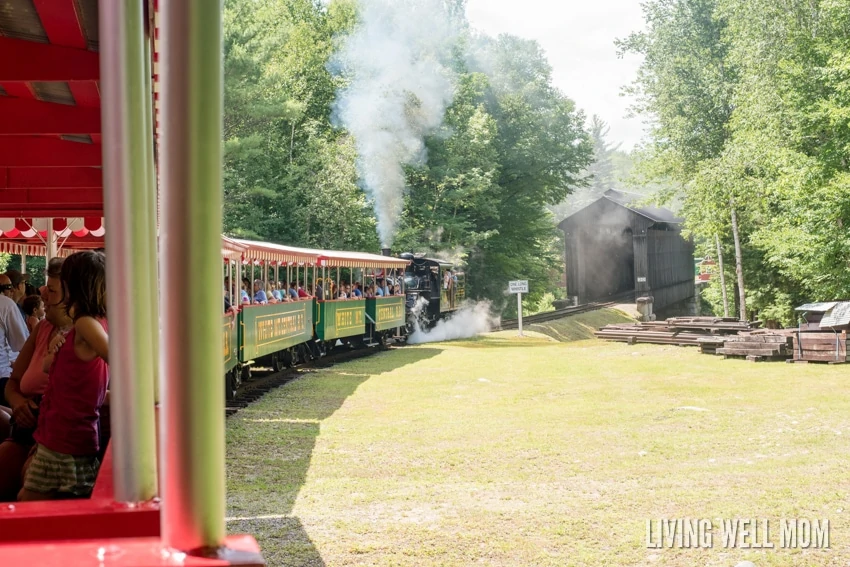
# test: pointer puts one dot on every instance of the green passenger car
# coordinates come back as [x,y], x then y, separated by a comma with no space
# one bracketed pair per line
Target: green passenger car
[338,319]
[266,329]
[386,312]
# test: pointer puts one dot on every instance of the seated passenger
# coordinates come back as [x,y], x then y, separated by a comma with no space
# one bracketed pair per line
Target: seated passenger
[259,294]
[378,290]
[65,462]
[356,291]
[246,285]
[293,291]
[302,294]
[33,307]
[270,294]
[276,293]
[26,385]
[318,291]
[397,289]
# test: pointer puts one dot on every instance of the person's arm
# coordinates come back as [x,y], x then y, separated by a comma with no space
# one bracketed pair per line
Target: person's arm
[16,329]
[19,403]
[95,336]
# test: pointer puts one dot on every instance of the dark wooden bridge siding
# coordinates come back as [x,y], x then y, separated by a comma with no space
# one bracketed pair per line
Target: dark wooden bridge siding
[611,249]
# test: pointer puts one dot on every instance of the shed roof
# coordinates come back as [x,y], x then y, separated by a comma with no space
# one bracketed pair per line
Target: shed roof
[821,307]
[632,201]
[838,316]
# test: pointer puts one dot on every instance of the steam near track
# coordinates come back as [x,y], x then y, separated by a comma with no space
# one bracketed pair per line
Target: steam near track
[470,320]
[399,87]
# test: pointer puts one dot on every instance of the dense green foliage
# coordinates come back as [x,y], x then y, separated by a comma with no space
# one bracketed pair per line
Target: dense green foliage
[751,106]
[510,146]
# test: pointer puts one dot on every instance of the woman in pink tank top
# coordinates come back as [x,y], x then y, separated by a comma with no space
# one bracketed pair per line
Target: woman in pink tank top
[27,382]
[65,461]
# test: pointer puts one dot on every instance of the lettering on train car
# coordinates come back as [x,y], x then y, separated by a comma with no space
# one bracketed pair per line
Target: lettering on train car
[392,312]
[279,326]
[348,318]
[227,338]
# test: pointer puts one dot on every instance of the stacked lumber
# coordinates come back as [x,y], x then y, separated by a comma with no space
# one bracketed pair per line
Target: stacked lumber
[758,346]
[682,331]
[709,345]
[823,346]
[714,325]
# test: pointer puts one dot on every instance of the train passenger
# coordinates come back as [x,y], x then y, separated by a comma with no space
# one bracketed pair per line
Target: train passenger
[396,289]
[34,310]
[302,293]
[65,462]
[259,294]
[19,288]
[342,294]
[356,291]
[13,333]
[28,382]
[270,294]
[276,292]
[246,285]
[318,291]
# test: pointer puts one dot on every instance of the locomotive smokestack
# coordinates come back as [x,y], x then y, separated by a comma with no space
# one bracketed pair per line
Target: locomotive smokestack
[386,252]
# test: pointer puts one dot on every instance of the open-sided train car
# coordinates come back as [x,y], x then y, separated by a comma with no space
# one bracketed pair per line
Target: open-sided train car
[277,335]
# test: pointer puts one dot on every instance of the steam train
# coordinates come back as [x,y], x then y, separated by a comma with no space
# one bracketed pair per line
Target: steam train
[281,335]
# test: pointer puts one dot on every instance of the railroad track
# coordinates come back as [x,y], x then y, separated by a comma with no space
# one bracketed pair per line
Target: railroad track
[508,324]
[252,391]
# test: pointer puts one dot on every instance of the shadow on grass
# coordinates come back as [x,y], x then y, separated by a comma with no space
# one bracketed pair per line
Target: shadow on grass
[270,445]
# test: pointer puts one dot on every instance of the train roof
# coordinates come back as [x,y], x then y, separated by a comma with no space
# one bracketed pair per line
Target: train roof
[265,251]
[437,261]
[50,135]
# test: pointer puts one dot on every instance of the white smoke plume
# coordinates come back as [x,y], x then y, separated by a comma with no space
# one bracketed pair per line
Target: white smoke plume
[470,320]
[400,85]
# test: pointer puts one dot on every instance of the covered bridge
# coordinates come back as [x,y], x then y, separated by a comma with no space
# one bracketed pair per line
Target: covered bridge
[615,245]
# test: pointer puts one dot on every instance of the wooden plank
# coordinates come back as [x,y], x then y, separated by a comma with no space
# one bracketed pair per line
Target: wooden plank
[755,344]
[749,351]
[819,347]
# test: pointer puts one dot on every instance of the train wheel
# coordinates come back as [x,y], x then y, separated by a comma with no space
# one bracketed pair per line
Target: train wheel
[243,376]
[287,359]
[303,355]
[231,384]
[277,363]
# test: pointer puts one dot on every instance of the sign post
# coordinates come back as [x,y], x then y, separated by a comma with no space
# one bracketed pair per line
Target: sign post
[518,287]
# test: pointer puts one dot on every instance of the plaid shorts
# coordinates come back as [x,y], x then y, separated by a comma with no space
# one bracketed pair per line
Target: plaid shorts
[50,472]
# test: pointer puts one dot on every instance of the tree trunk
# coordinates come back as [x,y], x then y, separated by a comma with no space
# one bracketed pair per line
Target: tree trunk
[292,143]
[722,276]
[739,269]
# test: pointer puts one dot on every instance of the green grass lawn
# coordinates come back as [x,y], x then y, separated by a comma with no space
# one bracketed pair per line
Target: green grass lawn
[508,451]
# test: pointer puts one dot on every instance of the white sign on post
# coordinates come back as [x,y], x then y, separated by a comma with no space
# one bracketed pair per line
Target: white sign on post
[518,287]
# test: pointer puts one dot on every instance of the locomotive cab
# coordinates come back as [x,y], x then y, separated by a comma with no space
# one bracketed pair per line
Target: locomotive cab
[433,287]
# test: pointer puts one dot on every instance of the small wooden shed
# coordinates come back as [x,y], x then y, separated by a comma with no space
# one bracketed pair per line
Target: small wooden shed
[616,245]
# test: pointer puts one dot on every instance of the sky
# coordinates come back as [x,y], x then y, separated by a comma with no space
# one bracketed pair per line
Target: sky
[578,37]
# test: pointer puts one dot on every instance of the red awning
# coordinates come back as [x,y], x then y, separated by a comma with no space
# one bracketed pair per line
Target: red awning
[50,127]
[265,252]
